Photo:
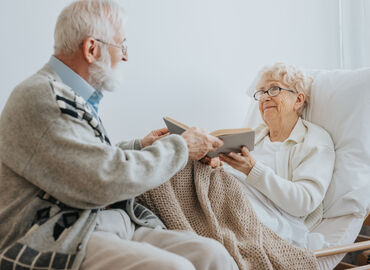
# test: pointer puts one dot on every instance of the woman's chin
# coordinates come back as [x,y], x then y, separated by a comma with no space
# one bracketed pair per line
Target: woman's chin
[271,110]
[269,114]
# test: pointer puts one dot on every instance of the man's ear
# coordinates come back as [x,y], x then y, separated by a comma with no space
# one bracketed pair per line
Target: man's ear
[90,50]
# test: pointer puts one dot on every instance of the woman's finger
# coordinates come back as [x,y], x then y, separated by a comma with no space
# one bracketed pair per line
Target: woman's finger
[245,151]
[228,160]
[224,158]
[236,157]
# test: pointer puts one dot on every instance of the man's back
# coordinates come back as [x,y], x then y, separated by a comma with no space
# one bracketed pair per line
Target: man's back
[17,143]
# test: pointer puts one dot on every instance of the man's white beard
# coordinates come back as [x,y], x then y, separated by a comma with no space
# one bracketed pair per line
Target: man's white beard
[102,76]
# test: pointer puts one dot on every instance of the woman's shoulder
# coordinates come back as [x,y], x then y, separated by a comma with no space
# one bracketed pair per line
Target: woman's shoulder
[317,135]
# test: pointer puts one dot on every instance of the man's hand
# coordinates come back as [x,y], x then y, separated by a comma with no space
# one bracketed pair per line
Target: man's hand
[200,142]
[153,136]
[243,162]
[212,162]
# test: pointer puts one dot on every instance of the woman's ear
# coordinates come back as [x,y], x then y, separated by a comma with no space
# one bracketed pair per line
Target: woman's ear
[298,106]
[90,50]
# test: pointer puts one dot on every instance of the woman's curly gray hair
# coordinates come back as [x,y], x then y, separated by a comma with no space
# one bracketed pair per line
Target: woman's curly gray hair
[291,76]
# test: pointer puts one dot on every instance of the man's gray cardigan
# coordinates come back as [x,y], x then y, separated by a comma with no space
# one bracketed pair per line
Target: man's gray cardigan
[58,170]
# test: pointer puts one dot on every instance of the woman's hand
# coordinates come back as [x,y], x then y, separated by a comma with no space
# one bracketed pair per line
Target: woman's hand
[212,162]
[153,136]
[243,162]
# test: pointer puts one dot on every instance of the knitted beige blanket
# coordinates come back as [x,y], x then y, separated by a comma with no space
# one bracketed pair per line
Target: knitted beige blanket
[211,203]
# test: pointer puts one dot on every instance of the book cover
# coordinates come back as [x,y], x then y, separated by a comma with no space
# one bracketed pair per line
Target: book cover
[233,139]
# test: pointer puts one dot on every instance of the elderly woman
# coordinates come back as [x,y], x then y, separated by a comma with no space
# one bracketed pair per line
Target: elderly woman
[289,171]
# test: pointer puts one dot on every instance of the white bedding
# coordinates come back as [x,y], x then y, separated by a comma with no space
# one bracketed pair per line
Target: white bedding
[288,227]
[330,232]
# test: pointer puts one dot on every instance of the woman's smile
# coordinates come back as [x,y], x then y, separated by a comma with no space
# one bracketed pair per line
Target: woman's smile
[266,107]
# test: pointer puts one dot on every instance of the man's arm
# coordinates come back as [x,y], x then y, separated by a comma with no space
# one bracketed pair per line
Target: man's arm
[84,173]
[130,145]
[61,154]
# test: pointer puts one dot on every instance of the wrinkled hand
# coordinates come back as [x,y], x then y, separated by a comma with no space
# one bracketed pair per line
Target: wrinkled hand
[243,162]
[212,162]
[200,142]
[153,136]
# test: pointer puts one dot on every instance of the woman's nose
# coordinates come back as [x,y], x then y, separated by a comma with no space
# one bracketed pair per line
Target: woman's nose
[265,97]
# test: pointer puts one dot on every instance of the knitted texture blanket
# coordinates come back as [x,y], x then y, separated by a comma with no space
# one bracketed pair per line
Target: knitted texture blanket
[211,203]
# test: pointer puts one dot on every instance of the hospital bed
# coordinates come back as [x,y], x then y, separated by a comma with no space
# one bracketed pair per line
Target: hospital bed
[340,103]
[331,256]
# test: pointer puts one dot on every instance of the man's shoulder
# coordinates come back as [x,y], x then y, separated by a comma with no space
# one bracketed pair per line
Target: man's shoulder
[31,90]
[37,99]
[42,83]
[44,89]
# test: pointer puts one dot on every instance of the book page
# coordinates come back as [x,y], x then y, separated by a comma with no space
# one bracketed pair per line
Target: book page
[221,132]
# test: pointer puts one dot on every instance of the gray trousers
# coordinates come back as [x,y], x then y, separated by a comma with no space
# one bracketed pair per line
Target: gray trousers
[117,245]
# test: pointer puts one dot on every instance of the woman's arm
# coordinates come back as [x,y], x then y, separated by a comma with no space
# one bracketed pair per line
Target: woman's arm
[304,192]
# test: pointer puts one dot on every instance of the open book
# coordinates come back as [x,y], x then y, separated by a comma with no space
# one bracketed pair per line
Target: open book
[233,139]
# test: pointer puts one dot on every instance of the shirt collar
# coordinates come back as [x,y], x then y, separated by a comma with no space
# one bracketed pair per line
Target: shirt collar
[95,99]
[74,81]
[297,134]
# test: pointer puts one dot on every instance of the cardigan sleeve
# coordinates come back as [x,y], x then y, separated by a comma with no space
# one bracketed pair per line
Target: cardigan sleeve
[81,172]
[61,154]
[305,191]
[130,145]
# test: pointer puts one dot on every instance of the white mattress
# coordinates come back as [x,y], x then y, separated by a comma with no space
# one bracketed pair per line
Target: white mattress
[338,231]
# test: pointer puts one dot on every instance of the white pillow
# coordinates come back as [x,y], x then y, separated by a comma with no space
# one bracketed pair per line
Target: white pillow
[340,103]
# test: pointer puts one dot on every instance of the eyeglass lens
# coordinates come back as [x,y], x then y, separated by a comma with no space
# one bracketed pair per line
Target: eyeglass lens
[273,91]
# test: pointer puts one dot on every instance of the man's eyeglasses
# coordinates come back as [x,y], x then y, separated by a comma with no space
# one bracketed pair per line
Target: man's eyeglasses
[272,92]
[123,47]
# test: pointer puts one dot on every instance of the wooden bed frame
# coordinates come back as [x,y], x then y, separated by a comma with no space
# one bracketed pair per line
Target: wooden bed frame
[362,243]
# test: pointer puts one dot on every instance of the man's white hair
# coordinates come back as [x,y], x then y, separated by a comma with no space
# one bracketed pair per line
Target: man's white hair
[86,18]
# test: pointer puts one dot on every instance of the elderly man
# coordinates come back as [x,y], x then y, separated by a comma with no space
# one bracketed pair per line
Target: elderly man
[66,196]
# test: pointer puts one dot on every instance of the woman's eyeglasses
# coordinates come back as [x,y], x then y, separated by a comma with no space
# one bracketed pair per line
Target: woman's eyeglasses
[272,92]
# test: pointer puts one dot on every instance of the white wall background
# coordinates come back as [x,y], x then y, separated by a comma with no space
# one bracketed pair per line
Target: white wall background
[191,60]
[355,31]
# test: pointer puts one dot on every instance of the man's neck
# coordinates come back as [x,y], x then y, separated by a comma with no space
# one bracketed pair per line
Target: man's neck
[77,63]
